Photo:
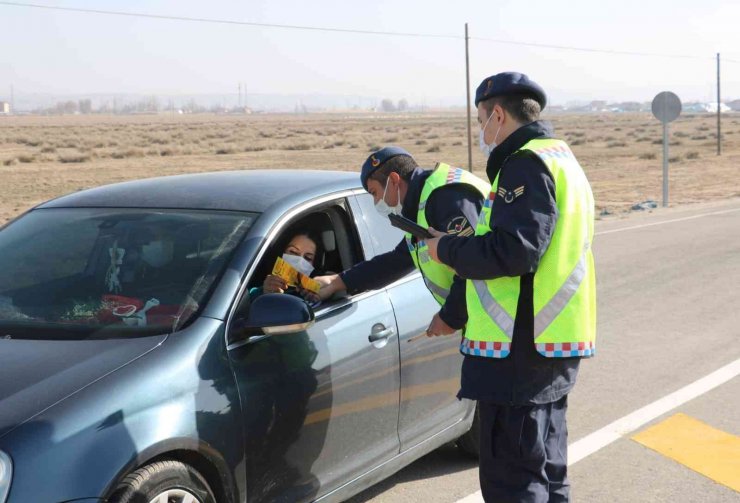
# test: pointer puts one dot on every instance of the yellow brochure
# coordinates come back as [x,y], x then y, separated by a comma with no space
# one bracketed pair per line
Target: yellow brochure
[284,270]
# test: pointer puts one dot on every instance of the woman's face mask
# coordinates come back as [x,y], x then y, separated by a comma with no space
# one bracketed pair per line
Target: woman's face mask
[299,263]
[383,208]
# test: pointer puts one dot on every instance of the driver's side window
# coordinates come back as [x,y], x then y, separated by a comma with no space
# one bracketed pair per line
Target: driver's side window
[323,237]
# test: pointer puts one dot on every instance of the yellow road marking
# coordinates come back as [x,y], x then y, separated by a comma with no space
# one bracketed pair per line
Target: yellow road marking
[706,450]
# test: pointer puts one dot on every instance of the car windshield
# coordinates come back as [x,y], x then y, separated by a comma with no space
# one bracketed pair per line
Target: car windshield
[77,273]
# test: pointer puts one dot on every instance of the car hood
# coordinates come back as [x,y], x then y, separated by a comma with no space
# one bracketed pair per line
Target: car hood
[36,374]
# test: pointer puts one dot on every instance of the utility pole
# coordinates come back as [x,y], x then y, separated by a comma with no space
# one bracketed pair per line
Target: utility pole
[719,111]
[467,90]
[12,99]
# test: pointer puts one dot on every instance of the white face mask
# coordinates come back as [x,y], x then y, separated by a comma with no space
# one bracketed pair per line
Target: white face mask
[298,263]
[383,208]
[484,147]
[157,253]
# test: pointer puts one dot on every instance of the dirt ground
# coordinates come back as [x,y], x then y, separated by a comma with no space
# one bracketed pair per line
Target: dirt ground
[44,157]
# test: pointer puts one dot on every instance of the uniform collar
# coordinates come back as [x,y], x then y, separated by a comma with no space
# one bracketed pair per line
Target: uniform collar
[515,141]
[411,201]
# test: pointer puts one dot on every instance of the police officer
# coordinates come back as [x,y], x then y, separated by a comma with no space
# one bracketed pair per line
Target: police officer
[446,198]
[530,294]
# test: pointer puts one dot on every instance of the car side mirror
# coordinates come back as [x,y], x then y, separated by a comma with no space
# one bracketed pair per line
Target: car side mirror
[275,314]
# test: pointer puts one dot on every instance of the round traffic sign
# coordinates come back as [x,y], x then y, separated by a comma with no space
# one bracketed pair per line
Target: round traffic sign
[666,106]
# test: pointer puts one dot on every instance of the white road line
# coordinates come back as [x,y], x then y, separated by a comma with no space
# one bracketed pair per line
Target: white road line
[667,221]
[614,431]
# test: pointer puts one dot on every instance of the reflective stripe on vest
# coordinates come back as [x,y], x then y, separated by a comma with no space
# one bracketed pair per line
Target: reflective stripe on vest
[436,289]
[498,315]
[556,305]
[438,277]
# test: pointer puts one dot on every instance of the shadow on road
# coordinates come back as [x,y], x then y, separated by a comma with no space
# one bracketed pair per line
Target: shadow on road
[446,460]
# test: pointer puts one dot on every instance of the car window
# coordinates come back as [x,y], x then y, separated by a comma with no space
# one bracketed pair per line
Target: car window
[330,227]
[383,236]
[84,272]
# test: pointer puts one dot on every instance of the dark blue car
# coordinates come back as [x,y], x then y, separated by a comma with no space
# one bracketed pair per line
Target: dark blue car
[136,367]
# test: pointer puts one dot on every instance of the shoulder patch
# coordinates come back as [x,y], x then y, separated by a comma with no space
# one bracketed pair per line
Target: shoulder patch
[510,195]
[459,226]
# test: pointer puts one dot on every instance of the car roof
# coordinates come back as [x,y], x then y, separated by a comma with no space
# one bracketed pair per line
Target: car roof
[245,190]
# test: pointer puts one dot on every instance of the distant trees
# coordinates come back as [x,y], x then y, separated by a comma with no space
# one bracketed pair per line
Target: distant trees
[85,106]
[66,107]
[387,105]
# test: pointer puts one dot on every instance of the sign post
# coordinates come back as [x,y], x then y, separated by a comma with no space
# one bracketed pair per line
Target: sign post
[666,108]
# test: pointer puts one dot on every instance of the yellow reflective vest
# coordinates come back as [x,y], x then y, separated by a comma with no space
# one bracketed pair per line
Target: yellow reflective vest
[564,283]
[438,277]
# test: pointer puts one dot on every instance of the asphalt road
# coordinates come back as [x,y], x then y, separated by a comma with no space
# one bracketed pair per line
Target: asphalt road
[668,287]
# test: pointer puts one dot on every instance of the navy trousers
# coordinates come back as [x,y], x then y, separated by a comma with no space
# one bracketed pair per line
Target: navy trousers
[524,452]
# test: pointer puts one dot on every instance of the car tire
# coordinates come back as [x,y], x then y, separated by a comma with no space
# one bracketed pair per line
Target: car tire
[171,479]
[470,442]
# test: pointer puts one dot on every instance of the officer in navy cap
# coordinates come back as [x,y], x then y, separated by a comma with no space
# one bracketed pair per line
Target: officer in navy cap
[446,198]
[531,294]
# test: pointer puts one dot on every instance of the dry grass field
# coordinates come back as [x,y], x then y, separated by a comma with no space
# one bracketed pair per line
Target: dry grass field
[43,157]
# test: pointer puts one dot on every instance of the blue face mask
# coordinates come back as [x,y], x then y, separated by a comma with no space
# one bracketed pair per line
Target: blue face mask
[383,208]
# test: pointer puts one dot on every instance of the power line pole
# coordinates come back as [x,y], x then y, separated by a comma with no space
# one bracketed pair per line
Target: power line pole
[719,111]
[467,90]
[12,99]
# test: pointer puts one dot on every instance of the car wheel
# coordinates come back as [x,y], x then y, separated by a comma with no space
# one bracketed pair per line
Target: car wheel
[163,482]
[470,442]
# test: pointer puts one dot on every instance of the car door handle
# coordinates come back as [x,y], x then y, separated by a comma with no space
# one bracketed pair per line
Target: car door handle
[379,332]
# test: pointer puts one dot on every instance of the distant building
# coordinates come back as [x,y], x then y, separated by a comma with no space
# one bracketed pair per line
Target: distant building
[734,105]
[710,107]
[598,106]
[4,107]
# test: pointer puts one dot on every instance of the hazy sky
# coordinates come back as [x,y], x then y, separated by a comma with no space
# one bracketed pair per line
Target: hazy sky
[59,52]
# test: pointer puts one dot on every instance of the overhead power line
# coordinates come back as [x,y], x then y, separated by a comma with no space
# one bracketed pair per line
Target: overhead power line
[226,21]
[588,49]
[347,30]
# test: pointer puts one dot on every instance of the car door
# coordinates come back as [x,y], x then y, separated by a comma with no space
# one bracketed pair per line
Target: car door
[320,406]
[430,367]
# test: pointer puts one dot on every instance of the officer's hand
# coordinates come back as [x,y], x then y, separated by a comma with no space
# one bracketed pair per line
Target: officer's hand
[330,285]
[309,296]
[433,243]
[274,284]
[439,327]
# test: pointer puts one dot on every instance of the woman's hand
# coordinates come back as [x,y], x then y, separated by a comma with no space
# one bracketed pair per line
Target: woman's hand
[274,284]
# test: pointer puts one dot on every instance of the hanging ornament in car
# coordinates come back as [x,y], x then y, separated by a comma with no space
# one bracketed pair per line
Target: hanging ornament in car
[114,269]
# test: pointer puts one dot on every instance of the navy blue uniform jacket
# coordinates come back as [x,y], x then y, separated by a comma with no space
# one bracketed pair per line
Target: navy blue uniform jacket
[444,210]
[520,233]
